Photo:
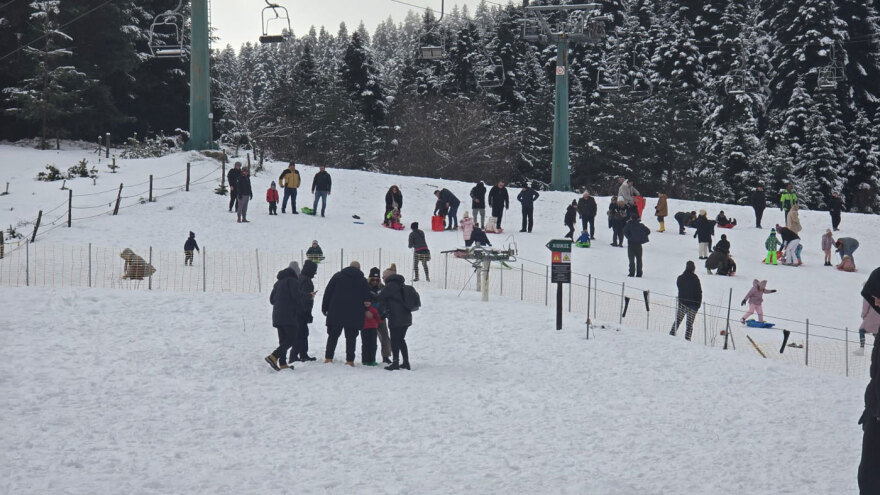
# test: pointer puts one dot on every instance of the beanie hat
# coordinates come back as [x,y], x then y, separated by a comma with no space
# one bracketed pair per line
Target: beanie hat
[309,269]
[724,236]
[393,268]
[273,183]
[772,231]
[414,225]
[374,272]
[192,234]
[315,241]
[295,267]
[702,213]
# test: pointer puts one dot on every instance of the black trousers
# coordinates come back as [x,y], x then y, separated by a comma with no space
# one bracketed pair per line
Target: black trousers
[286,336]
[300,346]
[369,344]
[592,222]
[273,208]
[869,468]
[570,233]
[398,343]
[759,213]
[233,199]
[351,335]
[784,216]
[681,225]
[497,213]
[835,219]
[691,314]
[617,237]
[528,217]
[634,251]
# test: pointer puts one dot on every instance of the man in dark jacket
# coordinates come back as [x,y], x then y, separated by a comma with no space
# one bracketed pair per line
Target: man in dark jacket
[835,206]
[232,177]
[420,251]
[587,209]
[527,198]
[498,201]
[287,309]
[445,196]
[321,188]
[705,231]
[636,234]
[399,318]
[290,181]
[300,349]
[759,202]
[245,194]
[690,297]
[869,475]
[343,305]
[478,203]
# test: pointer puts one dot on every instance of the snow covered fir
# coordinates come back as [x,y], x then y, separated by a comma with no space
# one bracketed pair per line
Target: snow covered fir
[146,211]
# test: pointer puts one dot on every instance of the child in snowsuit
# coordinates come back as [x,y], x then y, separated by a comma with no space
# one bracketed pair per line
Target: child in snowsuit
[827,244]
[188,247]
[772,245]
[466,224]
[870,324]
[272,199]
[369,335]
[755,298]
[392,220]
[315,253]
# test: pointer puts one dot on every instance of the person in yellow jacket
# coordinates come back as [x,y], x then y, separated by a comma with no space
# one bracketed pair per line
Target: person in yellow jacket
[787,200]
[289,180]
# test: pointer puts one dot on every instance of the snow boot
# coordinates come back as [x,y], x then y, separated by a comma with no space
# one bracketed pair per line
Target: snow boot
[273,362]
[328,360]
[662,227]
[282,366]
[371,363]
[405,365]
[306,357]
[350,363]
[386,360]
[392,367]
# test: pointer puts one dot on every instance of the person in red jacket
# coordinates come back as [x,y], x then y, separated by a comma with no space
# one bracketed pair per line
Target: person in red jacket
[272,199]
[369,335]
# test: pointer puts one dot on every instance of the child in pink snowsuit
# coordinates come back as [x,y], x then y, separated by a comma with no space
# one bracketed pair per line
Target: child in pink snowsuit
[466,225]
[870,323]
[755,298]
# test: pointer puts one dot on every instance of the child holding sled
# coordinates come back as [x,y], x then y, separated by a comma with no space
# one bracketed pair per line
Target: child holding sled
[755,298]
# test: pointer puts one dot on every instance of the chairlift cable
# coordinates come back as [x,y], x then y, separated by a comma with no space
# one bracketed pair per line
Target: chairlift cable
[7,4]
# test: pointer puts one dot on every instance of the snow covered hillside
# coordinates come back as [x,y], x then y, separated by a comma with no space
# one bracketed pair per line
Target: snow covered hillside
[158,392]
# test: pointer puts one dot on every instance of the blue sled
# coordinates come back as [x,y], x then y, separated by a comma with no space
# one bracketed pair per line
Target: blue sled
[759,324]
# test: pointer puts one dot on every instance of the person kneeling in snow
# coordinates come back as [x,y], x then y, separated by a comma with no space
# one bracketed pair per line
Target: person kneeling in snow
[135,268]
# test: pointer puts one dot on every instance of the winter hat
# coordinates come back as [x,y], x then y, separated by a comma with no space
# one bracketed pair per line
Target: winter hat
[414,225]
[827,231]
[466,214]
[273,183]
[315,241]
[192,234]
[295,267]
[762,284]
[309,269]
[690,266]
[702,213]
[772,231]
[374,272]
[355,264]
[393,267]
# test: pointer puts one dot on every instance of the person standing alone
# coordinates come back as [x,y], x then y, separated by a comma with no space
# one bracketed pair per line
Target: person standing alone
[478,203]
[527,198]
[690,297]
[498,201]
[245,194]
[290,181]
[786,201]
[636,234]
[759,202]
[587,209]
[835,206]
[321,188]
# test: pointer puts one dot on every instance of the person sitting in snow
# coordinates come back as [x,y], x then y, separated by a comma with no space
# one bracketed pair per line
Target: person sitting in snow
[188,248]
[724,222]
[135,268]
[315,253]
[723,245]
[847,264]
[392,220]
[583,241]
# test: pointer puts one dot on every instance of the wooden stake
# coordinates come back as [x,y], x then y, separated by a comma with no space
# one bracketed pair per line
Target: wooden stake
[150,197]
[107,145]
[69,207]
[118,198]
[187,176]
[37,226]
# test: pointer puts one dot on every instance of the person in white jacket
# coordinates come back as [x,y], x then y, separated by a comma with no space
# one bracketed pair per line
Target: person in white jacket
[628,192]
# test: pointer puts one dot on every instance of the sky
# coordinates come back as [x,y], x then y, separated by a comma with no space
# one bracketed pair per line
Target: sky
[238,21]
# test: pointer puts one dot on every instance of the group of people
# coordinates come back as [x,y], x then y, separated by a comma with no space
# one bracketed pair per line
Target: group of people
[241,192]
[374,308]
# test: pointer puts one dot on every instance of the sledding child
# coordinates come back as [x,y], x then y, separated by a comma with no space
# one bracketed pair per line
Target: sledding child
[441,209]
[755,298]
[870,324]
[272,199]
[315,253]
[583,241]
[827,244]
[188,248]
[724,222]
[392,219]
[466,224]
[772,245]
[369,335]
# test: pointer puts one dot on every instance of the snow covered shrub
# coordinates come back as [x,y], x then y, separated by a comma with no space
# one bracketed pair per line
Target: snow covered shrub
[82,169]
[154,147]
[51,175]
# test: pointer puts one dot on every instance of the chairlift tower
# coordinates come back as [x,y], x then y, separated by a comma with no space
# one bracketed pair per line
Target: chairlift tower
[578,26]
[200,128]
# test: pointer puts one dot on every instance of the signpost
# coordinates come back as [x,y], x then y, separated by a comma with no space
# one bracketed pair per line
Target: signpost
[560,271]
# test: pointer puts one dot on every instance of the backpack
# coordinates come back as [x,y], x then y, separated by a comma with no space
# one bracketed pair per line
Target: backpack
[411,300]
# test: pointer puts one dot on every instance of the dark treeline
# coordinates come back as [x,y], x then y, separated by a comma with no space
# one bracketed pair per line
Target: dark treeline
[365,100]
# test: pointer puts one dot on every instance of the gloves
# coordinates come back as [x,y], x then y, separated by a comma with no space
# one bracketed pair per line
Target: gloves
[743,303]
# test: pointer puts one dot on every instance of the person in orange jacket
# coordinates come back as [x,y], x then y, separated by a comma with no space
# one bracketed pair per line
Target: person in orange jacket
[272,199]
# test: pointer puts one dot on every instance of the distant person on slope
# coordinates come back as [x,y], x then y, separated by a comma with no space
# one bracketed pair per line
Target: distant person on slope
[315,253]
[755,298]
[393,199]
[835,206]
[343,305]
[827,244]
[478,203]
[869,475]
[684,219]
[690,297]
[587,209]
[772,246]
[188,248]
[661,211]
[627,193]
[790,243]
[441,209]
[787,199]
[498,201]
[245,194]
[793,220]
[759,203]
[421,253]
[467,227]
[618,215]
[636,234]
[290,181]
[391,306]
[321,184]
[300,349]
[570,218]
[527,198]
[272,199]
[705,231]
[724,222]
[232,177]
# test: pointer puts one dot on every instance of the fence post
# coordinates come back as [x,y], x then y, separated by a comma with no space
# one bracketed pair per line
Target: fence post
[589,288]
[522,280]
[705,329]
[69,207]
[187,176]
[341,259]
[546,285]
[647,293]
[204,270]
[570,285]
[107,145]
[2,246]
[223,172]
[150,196]
[150,277]
[259,277]
[620,313]
[501,281]
[727,322]
[445,268]
[118,198]
[846,349]
[27,265]
[37,226]
[807,345]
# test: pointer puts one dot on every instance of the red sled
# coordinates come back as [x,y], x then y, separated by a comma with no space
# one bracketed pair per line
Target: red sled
[727,226]
[438,223]
[394,226]
[640,204]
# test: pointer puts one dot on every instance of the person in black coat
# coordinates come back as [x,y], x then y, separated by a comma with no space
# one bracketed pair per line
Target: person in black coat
[232,177]
[636,234]
[723,245]
[690,297]
[869,475]
[527,198]
[684,219]
[399,318]
[835,206]
[188,248]
[287,309]
[478,203]
[300,349]
[445,196]
[759,202]
[587,209]
[618,217]
[392,197]
[498,201]
[343,305]
[705,231]
[571,218]
[321,184]
[245,194]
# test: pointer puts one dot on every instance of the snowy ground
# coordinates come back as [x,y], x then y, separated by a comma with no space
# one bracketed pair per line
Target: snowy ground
[115,391]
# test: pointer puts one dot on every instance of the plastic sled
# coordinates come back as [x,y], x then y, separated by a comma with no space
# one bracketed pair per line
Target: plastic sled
[437,223]
[727,226]
[640,204]
[394,226]
[307,210]
[759,324]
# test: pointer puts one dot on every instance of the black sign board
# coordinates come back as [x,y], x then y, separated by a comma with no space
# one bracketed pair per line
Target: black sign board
[560,273]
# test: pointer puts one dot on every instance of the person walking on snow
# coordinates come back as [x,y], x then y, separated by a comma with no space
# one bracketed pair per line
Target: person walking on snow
[527,198]
[787,199]
[772,246]
[245,194]
[835,206]
[392,307]
[188,248]
[272,199]
[704,233]
[321,185]
[755,298]
[827,244]
[287,307]
[661,211]
[420,251]
[690,297]
[759,202]
[232,177]
[869,475]
[300,349]
[636,234]
[376,286]
[478,203]
[343,305]
[290,181]
[498,201]
[587,209]
[452,202]
[570,218]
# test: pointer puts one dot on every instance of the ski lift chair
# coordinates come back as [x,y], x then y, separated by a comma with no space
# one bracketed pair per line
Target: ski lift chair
[493,77]
[608,81]
[827,78]
[166,35]
[595,31]
[640,89]
[431,52]
[281,14]
[735,83]
[532,30]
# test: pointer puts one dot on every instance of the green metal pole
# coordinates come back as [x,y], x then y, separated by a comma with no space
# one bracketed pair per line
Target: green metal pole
[200,132]
[561,177]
